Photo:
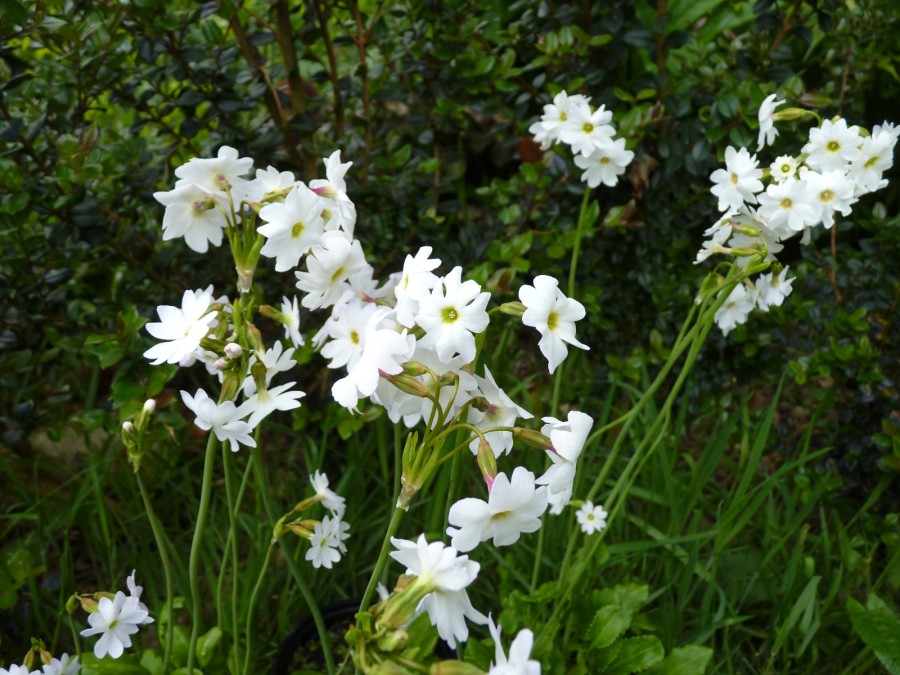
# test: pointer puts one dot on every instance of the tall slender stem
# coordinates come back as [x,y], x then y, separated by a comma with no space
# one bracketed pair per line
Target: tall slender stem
[166,564]
[382,558]
[576,249]
[232,539]
[197,545]
[252,607]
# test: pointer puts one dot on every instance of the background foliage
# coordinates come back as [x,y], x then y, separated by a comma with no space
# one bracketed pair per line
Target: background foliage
[432,101]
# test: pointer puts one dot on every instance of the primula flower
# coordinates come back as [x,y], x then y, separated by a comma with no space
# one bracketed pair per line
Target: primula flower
[263,403]
[64,665]
[556,114]
[553,315]
[332,267]
[783,168]
[292,228]
[290,312]
[605,163]
[519,661]
[876,157]
[772,290]
[18,670]
[193,213]
[735,310]
[116,621]
[326,543]
[586,130]
[330,499]
[224,419]
[591,518]
[567,441]
[268,183]
[445,576]
[218,174]
[738,181]
[788,204]
[451,315]
[277,359]
[347,330]
[501,412]
[334,190]
[416,282]
[514,507]
[832,146]
[767,130]
[831,191]
[183,329]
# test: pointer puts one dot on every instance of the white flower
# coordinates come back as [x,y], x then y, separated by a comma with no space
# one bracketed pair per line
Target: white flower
[415,283]
[292,228]
[876,157]
[591,518]
[347,330]
[64,665]
[333,268]
[135,592]
[735,310]
[182,329]
[554,315]
[519,661]
[323,547]
[738,181]
[567,441]
[514,507]
[784,168]
[117,620]
[556,114]
[268,183]
[330,499]
[18,670]
[224,419]
[218,174]
[451,315]
[832,191]
[385,350]
[605,163]
[264,403]
[501,412]
[586,130]
[340,211]
[276,360]
[192,213]
[788,204]
[767,130]
[771,291]
[719,234]
[290,312]
[447,575]
[832,146]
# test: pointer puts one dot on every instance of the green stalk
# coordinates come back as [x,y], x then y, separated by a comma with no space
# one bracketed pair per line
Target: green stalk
[576,249]
[164,559]
[252,607]
[196,546]
[393,526]
[232,537]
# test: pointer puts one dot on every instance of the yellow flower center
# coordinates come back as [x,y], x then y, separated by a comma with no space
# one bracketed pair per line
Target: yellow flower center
[297,229]
[449,315]
[832,146]
[354,337]
[587,128]
[734,178]
[826,195]
[786,203]
[552,321]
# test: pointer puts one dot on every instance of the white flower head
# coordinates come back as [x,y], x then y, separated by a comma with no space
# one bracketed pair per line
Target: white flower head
[591,518]
[64,665]
[784,168]
[739,181]
[217,174]
[333,268]
[416,282]
[587,130]
[115,621]
[290,312]
[767,130]
[876,157]
[514,507]
[772,290]
[788,204]
[292,228]
[501,412]
[193,213]
[547,130]
[519,661]
[554,315]
[181,329]
[833,146]
[324,547]
[451,316]
[735,310]
[330,499]
[340,211]
[605,163]
[831,191]
[224,419]
[18,670]
[263,403]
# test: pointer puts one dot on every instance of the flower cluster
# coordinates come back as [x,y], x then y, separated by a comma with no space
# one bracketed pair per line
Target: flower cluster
[573,121]
[837,165]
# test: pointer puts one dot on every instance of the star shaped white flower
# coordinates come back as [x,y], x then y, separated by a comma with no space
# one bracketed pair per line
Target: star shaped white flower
[116,621]
[263,403]
[833,146]
[224,419]
[767,130]
[591,518]
[451,316]
[330,499]
[217,174]
[554,315]
[519,661]
[605,163]
[18,670]
[416,282]
[501,412]
[546,131]
[182,329]
[739,181]
[567,441]
[192,212]
[292,228]
[333,268]
[735,310]
[64,665]
[771,290]
[514,507]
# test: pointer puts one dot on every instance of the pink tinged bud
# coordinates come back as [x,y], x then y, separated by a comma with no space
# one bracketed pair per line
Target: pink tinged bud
[233,350]
[328,190]
[220,363]
[487,463]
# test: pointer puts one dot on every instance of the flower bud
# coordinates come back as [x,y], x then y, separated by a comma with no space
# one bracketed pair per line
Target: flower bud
[516,309]
[401,607]
[149,405]
[89,605]
[454,668]
[233,350]
[533,438]
[407,384]
[414,368]
[487,462]
[792,113]
[255,338]
[72,604]
[220,363]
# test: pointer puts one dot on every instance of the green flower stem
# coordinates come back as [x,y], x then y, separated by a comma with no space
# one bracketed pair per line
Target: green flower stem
[227,461]
[166,564]
[196,547]
[220,584]
[393,526]
[75,637]
[252,607]
[263,489]
[576,248]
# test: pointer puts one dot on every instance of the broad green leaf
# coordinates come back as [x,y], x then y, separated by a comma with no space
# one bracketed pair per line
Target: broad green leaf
[637,655]
[153,663]
[879,628]
[608,624]
[688,660]
[207,643]
[127,664]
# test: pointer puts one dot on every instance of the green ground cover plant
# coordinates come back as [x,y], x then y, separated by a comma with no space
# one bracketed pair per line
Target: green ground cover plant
[747,479]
